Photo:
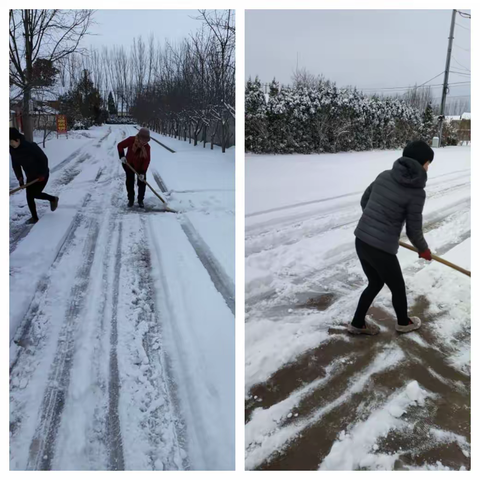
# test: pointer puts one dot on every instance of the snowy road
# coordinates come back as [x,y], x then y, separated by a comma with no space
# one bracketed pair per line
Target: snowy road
[317,398]
[121,344]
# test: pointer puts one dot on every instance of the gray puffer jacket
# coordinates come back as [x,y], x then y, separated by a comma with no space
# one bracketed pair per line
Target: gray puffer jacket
[395,197]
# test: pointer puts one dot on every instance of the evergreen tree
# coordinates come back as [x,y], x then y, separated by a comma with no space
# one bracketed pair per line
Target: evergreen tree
[429,127]
[449,134]
[256,135]
[83,103]
[44,73]
[112,108]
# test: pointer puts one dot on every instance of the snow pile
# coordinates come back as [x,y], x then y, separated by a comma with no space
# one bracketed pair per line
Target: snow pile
[259,282]
[357,449]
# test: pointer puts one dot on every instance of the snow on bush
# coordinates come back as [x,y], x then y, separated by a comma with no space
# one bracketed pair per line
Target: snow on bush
[325,118]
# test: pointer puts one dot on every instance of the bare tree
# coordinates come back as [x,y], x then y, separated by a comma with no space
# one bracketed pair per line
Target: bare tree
[222,25]
[49,35]
[139,64]
[185,90]
[95,66]
[301,77]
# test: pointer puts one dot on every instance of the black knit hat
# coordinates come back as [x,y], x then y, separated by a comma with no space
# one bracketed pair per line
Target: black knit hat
[419,151]
[15,134]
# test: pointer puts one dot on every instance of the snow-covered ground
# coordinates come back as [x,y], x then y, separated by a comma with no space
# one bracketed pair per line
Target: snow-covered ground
[122,320]
[317,398]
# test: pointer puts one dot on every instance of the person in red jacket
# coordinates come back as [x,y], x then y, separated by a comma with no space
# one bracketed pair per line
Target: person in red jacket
[138,156]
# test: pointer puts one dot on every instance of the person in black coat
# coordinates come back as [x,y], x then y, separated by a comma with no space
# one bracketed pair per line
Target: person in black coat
[395,198]
[31,158]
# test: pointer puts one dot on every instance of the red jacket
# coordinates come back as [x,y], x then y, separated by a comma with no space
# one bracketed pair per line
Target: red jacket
[138,163]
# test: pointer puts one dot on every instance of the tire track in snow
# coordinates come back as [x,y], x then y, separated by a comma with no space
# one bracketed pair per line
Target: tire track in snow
[220,279]
[292,234]
[77,153]
[99,445]
[148,392]
[162,375]
[159,181]
[19,231]
[27,345]
[288,221]
[42,447]
[301,204]
[114,433]
[69,159]
[21,336]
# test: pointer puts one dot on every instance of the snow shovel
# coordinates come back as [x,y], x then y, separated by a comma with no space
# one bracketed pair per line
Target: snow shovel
[15,190]
[438,259]
[167,208]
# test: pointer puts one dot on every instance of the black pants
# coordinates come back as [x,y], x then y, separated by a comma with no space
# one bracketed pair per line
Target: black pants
[380,268]
[35,191]
[130,183]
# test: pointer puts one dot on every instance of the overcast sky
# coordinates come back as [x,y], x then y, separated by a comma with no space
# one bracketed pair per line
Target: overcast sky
[120,27]
[364,48]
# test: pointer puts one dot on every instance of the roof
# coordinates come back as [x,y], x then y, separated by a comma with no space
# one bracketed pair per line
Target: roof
[449,118]
[457,118]
[45,109]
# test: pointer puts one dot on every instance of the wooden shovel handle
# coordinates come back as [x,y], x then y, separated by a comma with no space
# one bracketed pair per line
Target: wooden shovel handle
[15,190]
[438,259]
[148,185]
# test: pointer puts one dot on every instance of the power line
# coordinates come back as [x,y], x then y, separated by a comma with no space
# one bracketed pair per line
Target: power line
[461,26]
[464,74]
[401,88]
[463,66]
[461,48]
[453,96]
[428,81]
[437,85]
[464,14]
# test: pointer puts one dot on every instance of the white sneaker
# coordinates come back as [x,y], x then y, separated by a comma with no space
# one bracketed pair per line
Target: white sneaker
[415,325]
[368,329]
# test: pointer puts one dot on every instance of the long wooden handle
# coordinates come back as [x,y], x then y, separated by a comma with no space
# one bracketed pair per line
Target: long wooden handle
[438,259]
[15,190]
[146,183]
[151,188]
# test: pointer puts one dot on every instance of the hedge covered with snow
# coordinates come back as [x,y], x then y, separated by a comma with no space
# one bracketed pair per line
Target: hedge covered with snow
[324,118]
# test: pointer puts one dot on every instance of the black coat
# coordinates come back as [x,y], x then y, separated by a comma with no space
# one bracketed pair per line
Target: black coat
[396,197]
[31,158]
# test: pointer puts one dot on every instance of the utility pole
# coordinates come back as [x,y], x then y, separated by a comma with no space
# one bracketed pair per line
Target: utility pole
[445,78]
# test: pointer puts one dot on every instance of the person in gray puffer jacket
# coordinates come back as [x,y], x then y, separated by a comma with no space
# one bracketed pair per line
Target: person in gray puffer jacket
[395,198]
